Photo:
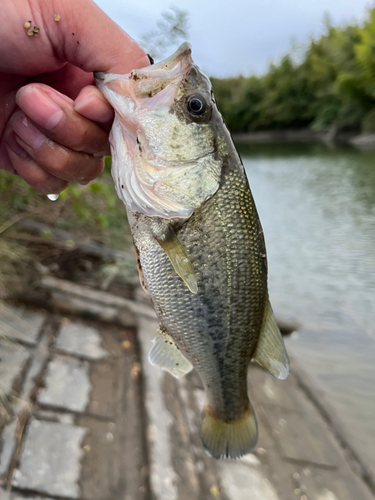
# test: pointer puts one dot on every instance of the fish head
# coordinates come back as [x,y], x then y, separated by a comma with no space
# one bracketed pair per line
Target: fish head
[164,140]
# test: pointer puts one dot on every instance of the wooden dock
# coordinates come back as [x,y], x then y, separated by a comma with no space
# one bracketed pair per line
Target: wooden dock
[122,429]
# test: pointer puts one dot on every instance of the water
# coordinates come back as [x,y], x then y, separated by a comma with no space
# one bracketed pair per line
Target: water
[317,208]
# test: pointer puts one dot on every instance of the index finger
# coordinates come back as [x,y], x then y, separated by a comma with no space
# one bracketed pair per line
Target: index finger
[91,103]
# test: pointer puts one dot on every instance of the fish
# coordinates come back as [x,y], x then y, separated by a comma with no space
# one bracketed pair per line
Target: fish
[199,242]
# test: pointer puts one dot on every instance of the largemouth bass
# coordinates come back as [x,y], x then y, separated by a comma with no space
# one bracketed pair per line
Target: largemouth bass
[199,241]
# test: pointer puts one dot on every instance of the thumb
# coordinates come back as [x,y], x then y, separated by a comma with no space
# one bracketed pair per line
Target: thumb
[86,37]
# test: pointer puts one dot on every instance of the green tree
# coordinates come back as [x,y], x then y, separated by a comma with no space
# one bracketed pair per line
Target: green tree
[286,98]
[331,85]
[365,54]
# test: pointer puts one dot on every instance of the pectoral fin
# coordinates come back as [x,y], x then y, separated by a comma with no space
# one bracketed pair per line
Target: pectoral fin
[167,356]
[270,352]
[179,258]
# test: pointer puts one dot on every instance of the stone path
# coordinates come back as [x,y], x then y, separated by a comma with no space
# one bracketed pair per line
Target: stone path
[84,416]
[71,424]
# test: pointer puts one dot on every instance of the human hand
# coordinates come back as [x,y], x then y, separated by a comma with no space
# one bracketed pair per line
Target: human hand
[54,123]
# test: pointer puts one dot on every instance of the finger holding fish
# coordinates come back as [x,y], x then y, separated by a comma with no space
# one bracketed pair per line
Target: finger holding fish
[52,140]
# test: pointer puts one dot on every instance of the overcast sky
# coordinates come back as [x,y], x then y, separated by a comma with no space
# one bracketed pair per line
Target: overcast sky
[238,36]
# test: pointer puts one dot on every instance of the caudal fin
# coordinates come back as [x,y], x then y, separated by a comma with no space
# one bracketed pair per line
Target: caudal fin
[229,439]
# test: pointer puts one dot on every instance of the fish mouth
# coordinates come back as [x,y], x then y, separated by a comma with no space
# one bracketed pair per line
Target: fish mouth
[170,63]
[149,81]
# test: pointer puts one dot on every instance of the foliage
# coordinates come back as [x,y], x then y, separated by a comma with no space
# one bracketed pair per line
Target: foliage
[170,29]
[93,210]
[89,212]
[331,85]
[15,265]
[368,123]
[365,55]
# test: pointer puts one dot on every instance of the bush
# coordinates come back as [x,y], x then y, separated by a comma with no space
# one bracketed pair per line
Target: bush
[332,85]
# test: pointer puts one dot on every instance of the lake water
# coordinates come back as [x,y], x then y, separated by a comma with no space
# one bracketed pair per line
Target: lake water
[317,208]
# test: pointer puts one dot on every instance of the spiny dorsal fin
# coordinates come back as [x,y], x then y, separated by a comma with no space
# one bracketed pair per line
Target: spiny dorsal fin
[270,352]
[178,257]
[167,356]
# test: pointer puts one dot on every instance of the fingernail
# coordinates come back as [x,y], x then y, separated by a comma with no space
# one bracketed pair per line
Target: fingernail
[37,104]
[26,131]
[95,109]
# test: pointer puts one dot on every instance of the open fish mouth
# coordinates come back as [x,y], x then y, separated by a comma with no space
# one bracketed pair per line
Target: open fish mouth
[152,79]
[149,81]
[164,161]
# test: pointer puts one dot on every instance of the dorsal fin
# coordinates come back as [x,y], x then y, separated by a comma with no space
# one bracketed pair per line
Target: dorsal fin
[270,352]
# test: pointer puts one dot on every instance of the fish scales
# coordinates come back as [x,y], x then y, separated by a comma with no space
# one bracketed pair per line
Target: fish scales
[199,241]
[218,327]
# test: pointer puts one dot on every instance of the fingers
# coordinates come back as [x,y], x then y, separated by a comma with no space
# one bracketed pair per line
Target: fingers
[49,143]
[52,157]
[26,168]
[55,115]
[91,104]
[69,80]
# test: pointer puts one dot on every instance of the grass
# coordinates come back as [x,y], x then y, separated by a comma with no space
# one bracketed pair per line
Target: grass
[93,210]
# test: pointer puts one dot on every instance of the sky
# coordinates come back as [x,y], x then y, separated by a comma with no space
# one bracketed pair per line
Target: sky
[235,37]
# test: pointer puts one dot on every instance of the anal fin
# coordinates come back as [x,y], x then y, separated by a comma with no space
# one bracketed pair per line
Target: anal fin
[165,354]
[178,258]
[270,352]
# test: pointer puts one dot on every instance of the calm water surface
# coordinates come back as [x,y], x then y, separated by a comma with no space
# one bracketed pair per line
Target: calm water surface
[317,208]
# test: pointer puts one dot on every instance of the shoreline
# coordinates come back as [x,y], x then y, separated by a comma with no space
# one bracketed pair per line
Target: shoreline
[306,136]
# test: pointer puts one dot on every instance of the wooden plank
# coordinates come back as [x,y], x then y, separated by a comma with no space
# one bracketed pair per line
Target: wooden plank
[302,438]
[115,463]
[263,388]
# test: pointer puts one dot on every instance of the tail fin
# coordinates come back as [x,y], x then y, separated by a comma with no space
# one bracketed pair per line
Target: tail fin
[229,439]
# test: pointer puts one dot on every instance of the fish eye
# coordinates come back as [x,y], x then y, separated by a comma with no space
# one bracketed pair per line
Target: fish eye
[196,105]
